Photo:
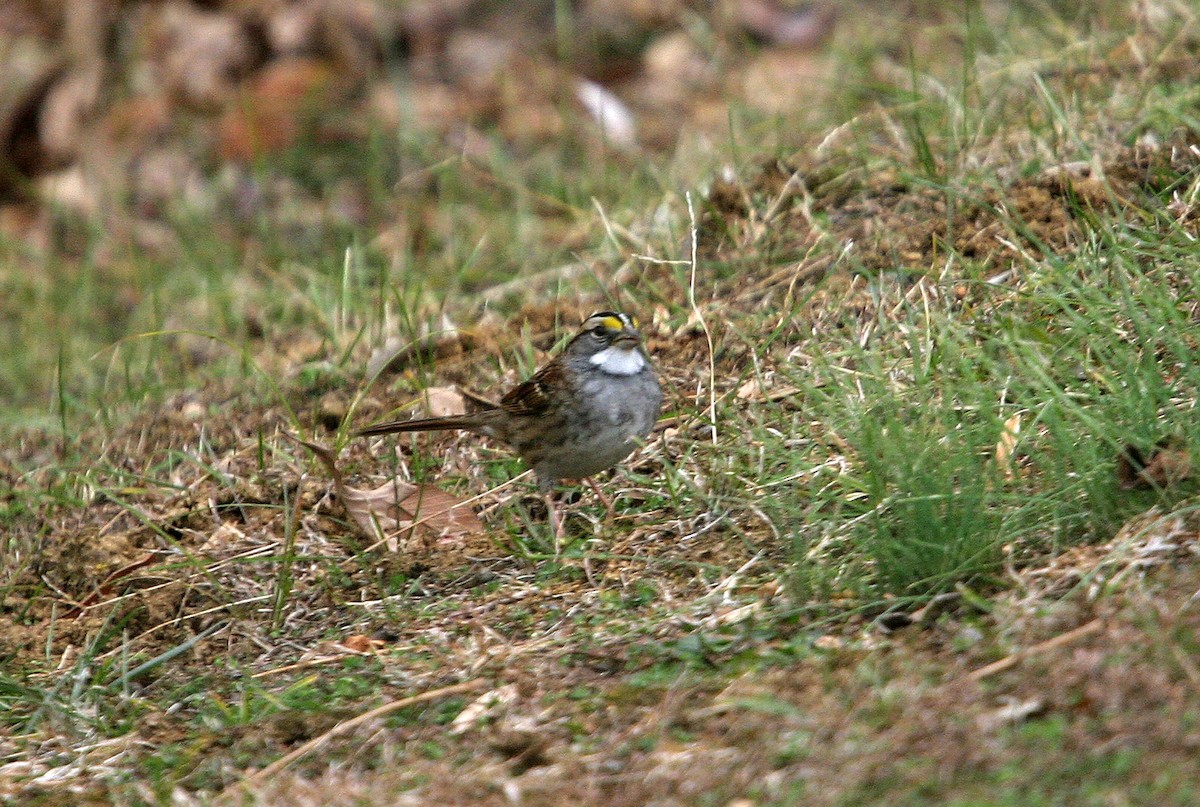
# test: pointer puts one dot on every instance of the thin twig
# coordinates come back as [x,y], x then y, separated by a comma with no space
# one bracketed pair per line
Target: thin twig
[614,230]
[343,651]
[712,365]
[1009,662]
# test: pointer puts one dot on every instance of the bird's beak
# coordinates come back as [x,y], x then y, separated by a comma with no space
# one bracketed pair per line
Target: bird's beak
[627,339]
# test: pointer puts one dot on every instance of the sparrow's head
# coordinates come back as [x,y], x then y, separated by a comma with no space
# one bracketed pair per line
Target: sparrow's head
[611,341]
[606,328]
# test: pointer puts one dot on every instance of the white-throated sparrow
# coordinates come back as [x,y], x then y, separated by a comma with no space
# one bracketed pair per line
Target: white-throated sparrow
[581,413]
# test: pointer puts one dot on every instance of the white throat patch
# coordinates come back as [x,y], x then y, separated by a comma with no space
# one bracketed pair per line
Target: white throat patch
[616,361]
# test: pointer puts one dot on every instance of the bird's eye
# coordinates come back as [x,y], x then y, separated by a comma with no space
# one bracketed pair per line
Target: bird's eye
[598,330]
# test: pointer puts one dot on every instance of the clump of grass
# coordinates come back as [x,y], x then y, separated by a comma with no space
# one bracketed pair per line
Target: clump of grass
[930,511]
[949,432]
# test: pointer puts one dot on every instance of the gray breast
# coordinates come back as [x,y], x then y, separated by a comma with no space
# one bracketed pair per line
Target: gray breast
[613,412]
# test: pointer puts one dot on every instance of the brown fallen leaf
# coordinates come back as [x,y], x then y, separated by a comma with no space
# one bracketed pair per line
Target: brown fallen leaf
[1006,444]
[437,514]
[399,510]
[279,106]
[361,643]
[443,402]
[1167,464]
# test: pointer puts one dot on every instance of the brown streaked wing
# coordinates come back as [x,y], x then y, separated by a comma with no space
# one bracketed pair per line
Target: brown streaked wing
[534,396]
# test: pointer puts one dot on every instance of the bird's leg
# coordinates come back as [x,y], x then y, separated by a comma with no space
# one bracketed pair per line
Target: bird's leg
[556,523]
[608,504]
[546,488]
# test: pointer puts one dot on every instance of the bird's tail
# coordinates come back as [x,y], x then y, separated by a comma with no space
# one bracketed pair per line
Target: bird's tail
[467,422]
